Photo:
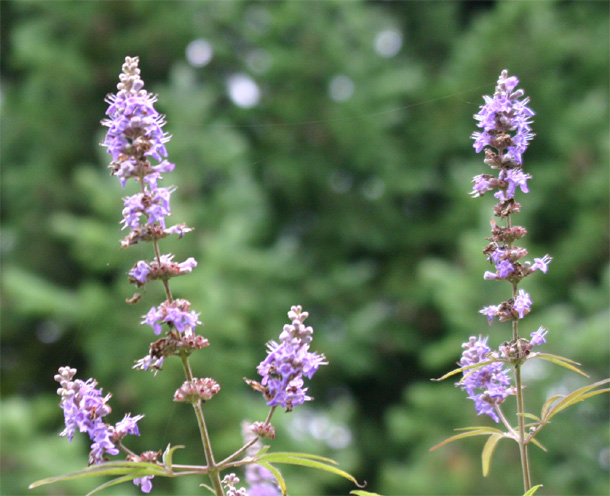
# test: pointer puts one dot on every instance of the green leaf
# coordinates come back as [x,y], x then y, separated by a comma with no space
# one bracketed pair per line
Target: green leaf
[530,416]
[360,492]
[537,443]
[562,361]
[168,456]
[472,431]
[491,430]
[113,482]
[532,490]
[137,469]
[461,369]
[576,397]
[548,403]
[308,460]
[488,451]
[278,476]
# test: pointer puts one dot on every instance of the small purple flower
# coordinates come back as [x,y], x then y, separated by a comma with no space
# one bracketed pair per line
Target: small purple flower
[542,264]
[145,483]
[516,178]
[482,184]
[504,268]
[288,361]
[491,311]
[522,303]
[176,313]
[140,271]
[538,336]
[129,425]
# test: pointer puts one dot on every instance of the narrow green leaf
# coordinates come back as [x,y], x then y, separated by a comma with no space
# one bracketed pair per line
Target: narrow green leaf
[109,468]
[537,443]
[488,451]
[491,430]
[563,362]
[576,397]
[278,476]
[530,416]
[113,482]
[478,432]
[548,403]
[360,492]
[311,463]
[461,369]
[594,393]
[280,456]
[533,490]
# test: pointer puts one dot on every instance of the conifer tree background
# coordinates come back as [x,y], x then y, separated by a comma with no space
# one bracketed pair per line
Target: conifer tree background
[344,188]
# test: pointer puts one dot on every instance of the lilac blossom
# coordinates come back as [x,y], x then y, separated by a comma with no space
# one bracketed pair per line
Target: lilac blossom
[133,120]
[145,483]
[504,114]
[163,268]
[175,313]
[522,303]
[84,407]
[489,385]
[538,337]
[490,312]
[288,362]
[542,264]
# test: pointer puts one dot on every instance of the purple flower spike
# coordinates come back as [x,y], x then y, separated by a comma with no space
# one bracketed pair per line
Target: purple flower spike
[492,380]
[288,362]
[84,407]
[505,116]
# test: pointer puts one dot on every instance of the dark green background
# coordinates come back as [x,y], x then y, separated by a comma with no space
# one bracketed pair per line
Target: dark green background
[357,210]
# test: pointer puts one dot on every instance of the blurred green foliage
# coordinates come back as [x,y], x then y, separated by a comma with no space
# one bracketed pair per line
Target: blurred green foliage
[344,189]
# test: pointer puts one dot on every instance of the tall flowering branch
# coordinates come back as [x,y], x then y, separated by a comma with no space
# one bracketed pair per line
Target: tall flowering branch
[136,141]
[135,136]
[505,122]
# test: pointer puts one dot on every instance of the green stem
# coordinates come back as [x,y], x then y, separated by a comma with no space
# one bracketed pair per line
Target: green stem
[213,471]
[525,464]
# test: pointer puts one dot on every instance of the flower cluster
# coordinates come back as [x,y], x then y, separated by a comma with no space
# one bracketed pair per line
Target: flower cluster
[229,482]
[492,379]
[288,362]
[489,385]
[505,121]
[197,390]
[134,137]
[164,268]
[84,407]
